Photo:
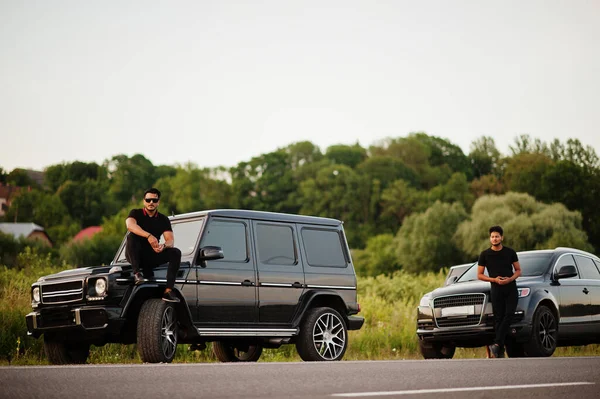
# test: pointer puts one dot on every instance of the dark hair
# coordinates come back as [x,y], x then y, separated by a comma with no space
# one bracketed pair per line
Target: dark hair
[152,191]
[496,229]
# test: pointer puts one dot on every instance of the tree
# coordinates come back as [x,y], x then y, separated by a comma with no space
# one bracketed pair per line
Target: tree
[443,152]
[424,242]
[346,155]
[399,200]
[486,184]
[56,175]
[3,176]
[86,201]
[528,224]
[378,257]
[302,153]
[387,169]
[484,156]
[524,172]
[20,178]
[454,190]
[265,183]
[129,177]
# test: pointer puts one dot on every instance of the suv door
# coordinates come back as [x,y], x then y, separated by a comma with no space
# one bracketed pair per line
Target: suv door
[591,280]
[574,302]
[280,273]
[227,287]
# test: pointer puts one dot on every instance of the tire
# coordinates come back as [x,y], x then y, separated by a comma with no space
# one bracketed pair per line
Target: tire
[514,349]
[157,331]
[323,336]
[228,352]
[60,352]
[436,350]
[544,334]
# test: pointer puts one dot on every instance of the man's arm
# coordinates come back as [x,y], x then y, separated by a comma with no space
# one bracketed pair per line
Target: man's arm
[134,228]
[516,274]
[481,275]
[169,239]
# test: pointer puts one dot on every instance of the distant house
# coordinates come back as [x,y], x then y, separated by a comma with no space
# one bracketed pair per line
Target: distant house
[87,233]
[7,193]
[30,231]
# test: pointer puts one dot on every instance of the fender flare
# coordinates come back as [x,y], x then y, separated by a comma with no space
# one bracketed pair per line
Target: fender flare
[308,298]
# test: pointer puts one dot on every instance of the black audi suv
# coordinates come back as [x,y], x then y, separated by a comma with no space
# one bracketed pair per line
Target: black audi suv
[559,305]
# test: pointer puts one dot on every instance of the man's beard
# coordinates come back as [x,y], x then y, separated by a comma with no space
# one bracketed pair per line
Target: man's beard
[497,245]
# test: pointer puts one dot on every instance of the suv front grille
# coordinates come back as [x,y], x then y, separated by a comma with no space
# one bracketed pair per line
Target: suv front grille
[70,291]
[463,310]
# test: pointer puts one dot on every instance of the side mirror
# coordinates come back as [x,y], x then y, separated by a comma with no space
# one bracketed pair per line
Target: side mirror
[566,272]
[210,253]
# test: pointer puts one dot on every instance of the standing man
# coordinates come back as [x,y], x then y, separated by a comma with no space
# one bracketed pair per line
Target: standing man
[145,227]
[500,261]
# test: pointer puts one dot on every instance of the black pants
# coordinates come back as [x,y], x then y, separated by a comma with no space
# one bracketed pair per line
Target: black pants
[504,302]
[146,261]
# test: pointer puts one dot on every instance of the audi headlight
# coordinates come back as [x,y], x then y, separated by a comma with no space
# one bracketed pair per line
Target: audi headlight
[35,294]
[425,299]
[100,287]
[523,292]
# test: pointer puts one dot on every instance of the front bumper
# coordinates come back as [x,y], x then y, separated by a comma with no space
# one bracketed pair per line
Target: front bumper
[84,318]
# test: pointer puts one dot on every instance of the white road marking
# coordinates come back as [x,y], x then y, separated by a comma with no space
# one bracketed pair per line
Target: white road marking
[465,389]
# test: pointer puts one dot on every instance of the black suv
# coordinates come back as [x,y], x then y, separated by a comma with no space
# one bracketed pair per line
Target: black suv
[559,305]
[248,280]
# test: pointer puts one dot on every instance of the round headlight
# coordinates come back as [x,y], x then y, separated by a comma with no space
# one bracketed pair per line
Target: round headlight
[100,287]
[35,294]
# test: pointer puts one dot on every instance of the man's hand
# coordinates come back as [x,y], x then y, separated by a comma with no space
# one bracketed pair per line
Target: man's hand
[502,280]
[154,243]
[159,248]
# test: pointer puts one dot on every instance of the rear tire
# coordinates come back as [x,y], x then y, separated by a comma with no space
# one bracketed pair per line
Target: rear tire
[228,352]
[323,336]
[436,350]
[157,331]
[61,352]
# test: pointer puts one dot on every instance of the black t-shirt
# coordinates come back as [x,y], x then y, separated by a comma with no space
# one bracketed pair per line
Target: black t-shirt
[155,225]
[498,263]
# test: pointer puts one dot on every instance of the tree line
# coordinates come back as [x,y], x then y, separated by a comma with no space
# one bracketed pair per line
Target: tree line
[415,202]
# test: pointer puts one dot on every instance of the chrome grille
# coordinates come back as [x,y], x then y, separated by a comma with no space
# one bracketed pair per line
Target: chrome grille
[464,301]
[69,291]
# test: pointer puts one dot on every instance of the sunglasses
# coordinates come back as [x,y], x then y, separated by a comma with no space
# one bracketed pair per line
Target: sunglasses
[149,200]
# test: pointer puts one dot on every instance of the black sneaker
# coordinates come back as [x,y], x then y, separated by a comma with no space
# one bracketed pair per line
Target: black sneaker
[138,278]
[496,351]
[170,297]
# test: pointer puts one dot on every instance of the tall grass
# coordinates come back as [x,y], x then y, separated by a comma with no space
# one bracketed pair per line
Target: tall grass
[388,305]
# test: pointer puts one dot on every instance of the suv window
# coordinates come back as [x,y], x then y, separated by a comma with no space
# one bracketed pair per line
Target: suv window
[587,268]
[230,236]
[275,244]
[323,247]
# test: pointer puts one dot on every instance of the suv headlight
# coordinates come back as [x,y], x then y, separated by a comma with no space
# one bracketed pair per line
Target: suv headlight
[97,288]
[425,300]
[523,292]
[35,294]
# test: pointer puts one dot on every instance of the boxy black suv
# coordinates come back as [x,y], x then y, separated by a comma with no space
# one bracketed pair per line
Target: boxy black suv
[559,305]
[248,280]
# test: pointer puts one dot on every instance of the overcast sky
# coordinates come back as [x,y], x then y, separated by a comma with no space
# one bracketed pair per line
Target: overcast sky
[219,82]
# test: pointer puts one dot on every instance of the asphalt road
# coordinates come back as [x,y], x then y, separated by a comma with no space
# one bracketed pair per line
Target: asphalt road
[486,378]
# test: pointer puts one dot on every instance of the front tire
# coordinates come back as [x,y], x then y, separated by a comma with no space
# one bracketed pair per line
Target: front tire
[544,334]
[323,336]
[157,331]
[436,350]
[231,352]
[61,352]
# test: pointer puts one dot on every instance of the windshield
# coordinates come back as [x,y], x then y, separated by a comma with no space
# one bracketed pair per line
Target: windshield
[531,265]
[186,235]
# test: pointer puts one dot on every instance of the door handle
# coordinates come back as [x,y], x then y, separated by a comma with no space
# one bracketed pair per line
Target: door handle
[247,283]
[296,285]
[585,291]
